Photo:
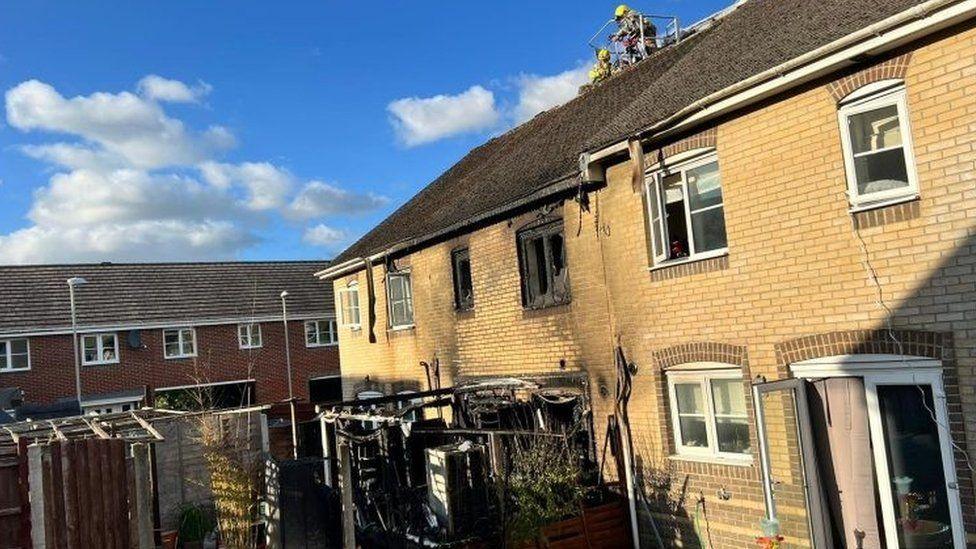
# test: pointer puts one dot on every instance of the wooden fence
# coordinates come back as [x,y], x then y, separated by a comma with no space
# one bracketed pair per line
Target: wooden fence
[85,493]
[14,506]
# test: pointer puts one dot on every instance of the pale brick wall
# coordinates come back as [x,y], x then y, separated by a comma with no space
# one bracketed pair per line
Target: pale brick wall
[795,268]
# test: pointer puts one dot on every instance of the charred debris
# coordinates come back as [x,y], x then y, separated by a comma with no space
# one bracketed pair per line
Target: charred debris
[486,461]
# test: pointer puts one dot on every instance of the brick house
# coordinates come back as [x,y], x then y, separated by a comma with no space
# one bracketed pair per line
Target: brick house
[774,220]
[150,330]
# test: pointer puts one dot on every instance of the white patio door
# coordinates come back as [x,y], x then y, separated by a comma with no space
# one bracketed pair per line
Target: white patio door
[908,420]
[913,460]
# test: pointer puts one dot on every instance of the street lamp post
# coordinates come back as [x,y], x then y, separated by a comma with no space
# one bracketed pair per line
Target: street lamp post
[291,393]
[72,283]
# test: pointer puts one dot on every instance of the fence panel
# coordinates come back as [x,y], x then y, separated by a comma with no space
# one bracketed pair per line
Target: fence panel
[87,493]
[14,510]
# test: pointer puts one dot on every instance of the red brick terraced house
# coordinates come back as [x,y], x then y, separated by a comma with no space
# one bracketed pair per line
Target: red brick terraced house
[773,222]
[149,330]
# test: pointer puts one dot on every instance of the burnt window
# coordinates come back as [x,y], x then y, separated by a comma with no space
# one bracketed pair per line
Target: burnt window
[542,258]
[463,288]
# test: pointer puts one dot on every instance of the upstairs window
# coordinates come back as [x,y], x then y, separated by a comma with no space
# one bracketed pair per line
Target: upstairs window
[99,349]
[14,355]
[349,314]
[542,259]
[179,343]
[463,287]
[708,413]
[686,211]
[877,144]
[319,333]
[399,296]
[249,336]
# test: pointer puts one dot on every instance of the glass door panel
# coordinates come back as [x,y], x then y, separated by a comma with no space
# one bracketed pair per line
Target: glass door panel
[914,457]
[791,479]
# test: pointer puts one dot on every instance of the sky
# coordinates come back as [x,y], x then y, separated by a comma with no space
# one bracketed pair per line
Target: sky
[200,131]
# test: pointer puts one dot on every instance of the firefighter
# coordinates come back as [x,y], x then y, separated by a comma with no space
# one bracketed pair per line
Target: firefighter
[602,69]
[630,25]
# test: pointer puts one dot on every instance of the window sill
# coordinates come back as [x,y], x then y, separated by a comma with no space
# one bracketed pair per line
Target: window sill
[686,260]
[13,370]
[745,461]
[96,364]
[317,345]
[402,328]
[251,348]
[179,357]
[868,206]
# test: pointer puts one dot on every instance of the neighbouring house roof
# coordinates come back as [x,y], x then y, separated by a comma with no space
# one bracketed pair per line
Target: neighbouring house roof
[34,298]
[542,154]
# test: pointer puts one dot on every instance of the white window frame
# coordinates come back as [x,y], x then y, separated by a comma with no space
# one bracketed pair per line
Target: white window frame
[333,333]
[181,340]
[245,335]
[7,359]
[351,290]
[407,299]
[99,348]
[112,406]
[652,184]
[703,374]
[868,98]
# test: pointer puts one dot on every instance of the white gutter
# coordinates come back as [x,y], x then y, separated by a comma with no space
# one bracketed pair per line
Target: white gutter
[899,29]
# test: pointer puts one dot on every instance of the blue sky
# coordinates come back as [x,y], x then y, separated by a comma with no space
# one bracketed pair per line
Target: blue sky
[238,130]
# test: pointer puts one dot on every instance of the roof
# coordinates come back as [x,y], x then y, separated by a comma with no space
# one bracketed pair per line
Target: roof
[34,298]
[543,153]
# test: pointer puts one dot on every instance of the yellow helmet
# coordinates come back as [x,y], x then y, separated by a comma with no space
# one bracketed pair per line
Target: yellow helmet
[621,11]
[603,55]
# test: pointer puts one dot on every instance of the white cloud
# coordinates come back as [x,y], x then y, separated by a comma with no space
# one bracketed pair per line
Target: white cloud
[83,198]
[268,186]
[318,199]
[157,88]
[540,93]
[136,184]
[125,125]
[324,236]
[151,240]
[422,120]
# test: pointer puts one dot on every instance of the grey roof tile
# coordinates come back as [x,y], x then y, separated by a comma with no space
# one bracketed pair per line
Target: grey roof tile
[35,297]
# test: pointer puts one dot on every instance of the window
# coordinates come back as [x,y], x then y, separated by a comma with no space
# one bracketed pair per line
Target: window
[877,144]
[412,415]
[399,299]
[708,410]
[249,336]
[325,389]
[99,349]
[463,287]
[686,212]
[349,306]
[14,355]
[179,343]
[542,260]
[111,407]
[319,333]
